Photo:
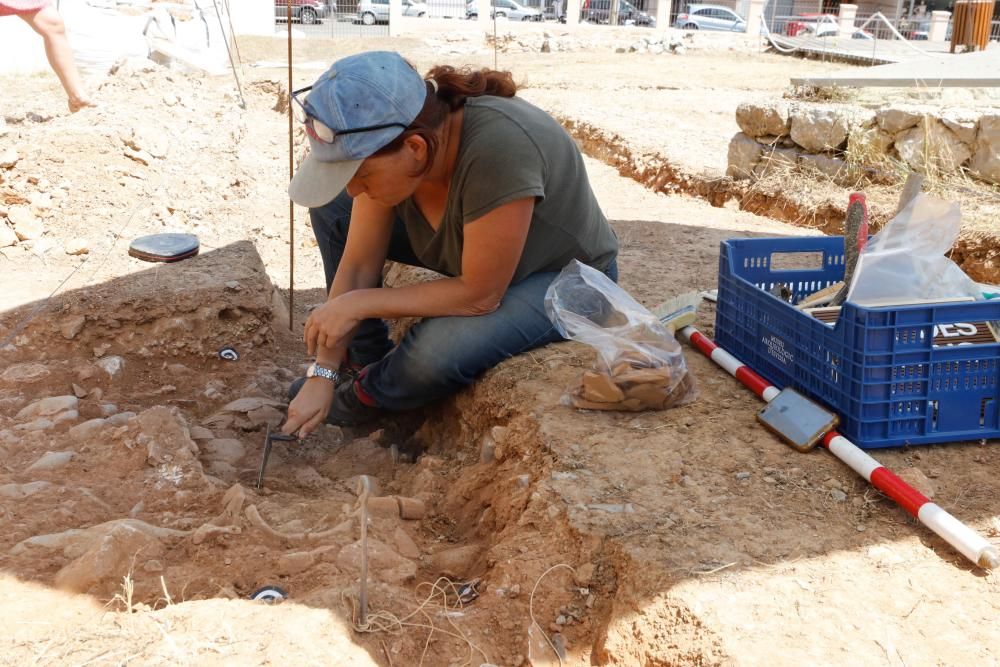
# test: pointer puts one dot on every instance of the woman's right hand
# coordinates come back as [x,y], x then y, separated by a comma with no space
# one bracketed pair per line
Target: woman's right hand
[309,407]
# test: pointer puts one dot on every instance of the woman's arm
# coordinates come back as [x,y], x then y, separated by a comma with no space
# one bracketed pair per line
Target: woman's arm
[360,267]
[491,251]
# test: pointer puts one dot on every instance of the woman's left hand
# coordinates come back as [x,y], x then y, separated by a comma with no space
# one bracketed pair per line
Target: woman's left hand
[330,325]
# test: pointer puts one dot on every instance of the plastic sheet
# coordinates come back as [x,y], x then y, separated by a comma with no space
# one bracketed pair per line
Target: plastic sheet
[905,262]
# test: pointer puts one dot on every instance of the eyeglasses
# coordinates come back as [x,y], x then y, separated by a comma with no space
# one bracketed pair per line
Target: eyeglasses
[317,129]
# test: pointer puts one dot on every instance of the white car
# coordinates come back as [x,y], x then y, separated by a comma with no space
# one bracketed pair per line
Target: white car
[514,11]
[371,12]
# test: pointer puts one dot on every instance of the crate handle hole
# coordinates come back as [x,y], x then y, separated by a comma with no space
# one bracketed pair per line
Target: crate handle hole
[984,409]
[787,261]
[934,415]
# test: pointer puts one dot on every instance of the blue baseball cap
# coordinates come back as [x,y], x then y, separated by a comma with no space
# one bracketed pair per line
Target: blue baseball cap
[357,92]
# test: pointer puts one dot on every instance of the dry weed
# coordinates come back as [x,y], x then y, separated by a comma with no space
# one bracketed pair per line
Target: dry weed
[125,596]
[819,94]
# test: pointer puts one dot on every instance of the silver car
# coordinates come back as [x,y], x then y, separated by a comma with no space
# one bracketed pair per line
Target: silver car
[371,12]
[514,11]
[710,17]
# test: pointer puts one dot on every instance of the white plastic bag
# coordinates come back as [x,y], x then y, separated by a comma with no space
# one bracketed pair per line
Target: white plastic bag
[905,262]
[640,365]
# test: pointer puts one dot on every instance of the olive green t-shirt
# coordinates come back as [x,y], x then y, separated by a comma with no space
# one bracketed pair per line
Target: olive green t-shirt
[510,150]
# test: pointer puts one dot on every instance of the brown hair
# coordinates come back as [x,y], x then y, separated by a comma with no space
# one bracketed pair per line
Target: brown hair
[454,87]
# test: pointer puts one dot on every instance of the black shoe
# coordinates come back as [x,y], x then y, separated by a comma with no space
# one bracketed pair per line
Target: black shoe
[347,408]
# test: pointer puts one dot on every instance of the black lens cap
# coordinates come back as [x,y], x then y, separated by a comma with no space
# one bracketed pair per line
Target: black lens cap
[170,247]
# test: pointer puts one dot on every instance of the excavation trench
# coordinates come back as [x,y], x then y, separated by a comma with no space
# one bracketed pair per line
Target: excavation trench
[978,255]
[132,450]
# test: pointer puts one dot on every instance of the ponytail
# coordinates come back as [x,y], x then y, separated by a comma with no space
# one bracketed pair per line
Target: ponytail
[457,85]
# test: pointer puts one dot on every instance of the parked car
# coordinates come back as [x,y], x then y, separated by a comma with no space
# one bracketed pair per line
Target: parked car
[505,8]
[710,17]
[304,11]
[816,25]
[371,12]
[599,11]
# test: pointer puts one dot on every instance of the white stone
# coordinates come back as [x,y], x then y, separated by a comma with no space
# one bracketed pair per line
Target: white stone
[40,201]
[744,154]
[775,159]
[932,146]
[50,461]
[962,123]
[9,158]
[829,166]
[48,406]
[87,429]
[201,433]
[227,450]
[65,416]
[22,490]
[869,141]
[112,365]
[819,129]
[27,372]
[26,225]
[121,418]
[986,160]
[248,403]
[142,157]
[40,424]
[7,236]
[76,246]
[897,119]
[760,120]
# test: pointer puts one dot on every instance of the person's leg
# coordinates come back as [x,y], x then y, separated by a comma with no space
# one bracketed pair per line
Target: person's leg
[330,224]
[47,23]
[441,355]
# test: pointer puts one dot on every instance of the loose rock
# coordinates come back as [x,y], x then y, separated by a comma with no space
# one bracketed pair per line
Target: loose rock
[86,430]
[71,326]
[112,365]
[455,563]
[50,461]
[48,406]
[7,236]
[8,158]
[26,226]
[23,373]
[227,450]
[76,246]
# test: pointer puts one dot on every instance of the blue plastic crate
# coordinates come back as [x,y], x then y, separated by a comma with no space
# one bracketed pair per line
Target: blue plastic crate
[878,368]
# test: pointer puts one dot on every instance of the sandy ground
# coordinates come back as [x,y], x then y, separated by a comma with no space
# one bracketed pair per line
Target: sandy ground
[134,534]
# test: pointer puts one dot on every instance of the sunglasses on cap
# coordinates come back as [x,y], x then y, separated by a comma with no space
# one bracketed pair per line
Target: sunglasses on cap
[317,129]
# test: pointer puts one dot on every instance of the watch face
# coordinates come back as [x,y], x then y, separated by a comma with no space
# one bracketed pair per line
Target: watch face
[311,371]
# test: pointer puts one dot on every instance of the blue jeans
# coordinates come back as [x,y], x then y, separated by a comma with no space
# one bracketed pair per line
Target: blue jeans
[439,355]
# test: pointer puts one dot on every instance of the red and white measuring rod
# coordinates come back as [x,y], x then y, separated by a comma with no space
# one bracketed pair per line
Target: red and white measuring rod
[967,541]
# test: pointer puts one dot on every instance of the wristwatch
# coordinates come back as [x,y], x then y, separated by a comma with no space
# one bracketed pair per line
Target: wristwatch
[317,371]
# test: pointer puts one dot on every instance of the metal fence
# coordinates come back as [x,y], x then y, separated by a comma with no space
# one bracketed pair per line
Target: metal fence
[341,18]
[867,26]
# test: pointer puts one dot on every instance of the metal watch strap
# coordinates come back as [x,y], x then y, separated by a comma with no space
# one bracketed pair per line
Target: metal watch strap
[325,373]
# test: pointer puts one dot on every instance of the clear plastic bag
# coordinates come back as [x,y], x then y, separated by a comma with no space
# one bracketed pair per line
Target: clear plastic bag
[640,365]
[905,262]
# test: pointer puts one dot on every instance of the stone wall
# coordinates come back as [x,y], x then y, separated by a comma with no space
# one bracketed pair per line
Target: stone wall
[845,142]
